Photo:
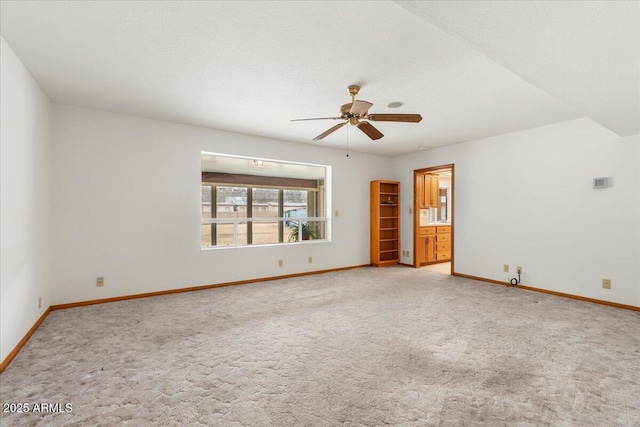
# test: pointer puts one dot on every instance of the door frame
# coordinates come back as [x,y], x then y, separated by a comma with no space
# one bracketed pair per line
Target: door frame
[416,210]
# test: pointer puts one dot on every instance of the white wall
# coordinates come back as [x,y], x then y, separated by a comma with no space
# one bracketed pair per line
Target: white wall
[25,211]
[127,206]
[526,199]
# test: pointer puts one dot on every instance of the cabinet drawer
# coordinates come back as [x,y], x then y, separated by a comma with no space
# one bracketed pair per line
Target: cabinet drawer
[444,230]
[442,255]
[443,238]
[443,247]
[427,231]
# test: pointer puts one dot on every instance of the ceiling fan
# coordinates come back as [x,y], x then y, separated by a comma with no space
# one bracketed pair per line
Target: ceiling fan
[356,112]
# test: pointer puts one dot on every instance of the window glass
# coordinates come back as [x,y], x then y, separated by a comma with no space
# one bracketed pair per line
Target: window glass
[231,202]
[265,232]
[251,202]
[294,206]
[265,203]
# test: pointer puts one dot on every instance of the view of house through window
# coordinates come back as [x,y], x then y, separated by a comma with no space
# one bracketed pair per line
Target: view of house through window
[273,203]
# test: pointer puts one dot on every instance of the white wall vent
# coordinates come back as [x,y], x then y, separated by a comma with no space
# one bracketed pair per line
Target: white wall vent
[600,182]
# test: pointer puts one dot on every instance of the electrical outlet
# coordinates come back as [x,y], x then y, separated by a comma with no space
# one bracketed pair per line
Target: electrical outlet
[39,302]
[505,268]
[100,281]
[310,260]
[519,269]
[606,283]
[280,263]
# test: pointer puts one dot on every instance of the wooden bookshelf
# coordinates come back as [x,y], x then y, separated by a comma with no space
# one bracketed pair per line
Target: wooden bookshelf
[385,223]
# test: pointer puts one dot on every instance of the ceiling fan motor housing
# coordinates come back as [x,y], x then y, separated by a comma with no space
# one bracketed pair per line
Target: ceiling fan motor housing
[346,109]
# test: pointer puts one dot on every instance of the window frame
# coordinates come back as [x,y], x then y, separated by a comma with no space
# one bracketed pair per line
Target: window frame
[321,200]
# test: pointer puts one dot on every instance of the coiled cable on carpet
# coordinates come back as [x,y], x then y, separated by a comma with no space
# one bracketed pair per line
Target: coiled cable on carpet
[515,281]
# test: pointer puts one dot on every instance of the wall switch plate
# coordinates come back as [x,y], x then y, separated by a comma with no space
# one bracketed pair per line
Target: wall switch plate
[336,213]
[505,268]
[280,263]
[100,281]
[606,283]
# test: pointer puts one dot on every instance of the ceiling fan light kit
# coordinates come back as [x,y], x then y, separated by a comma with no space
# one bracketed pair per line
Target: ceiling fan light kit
[356,113]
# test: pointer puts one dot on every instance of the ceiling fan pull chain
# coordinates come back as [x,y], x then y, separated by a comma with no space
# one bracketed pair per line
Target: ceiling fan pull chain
[347,141]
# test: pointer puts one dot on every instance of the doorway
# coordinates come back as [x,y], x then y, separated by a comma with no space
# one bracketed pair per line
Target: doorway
[433,218]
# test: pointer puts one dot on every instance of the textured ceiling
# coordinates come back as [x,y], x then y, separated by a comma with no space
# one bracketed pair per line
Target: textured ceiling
[250,67]
[584,53]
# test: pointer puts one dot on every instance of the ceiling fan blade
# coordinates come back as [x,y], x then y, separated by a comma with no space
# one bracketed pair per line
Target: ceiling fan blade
[413,118]
[316,118]
[360,108]
[329,131]
[369,130]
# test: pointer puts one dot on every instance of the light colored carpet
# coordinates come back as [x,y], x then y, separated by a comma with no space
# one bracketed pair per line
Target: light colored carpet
[364,347]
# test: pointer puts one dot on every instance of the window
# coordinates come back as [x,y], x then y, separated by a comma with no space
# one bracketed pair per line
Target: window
[256,202]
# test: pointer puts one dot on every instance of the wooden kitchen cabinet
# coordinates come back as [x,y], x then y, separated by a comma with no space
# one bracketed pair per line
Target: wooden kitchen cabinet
[434,191]
[443,243]
[434,244]
[427,245]
[428,189]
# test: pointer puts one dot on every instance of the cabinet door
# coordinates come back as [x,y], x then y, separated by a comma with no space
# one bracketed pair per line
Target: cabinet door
[431,191]
[426,193]
[420,187]
[424,246]
[423,249]
[430,249]
[435,191]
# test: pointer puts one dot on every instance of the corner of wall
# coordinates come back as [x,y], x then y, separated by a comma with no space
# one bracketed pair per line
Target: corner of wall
[25,212]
